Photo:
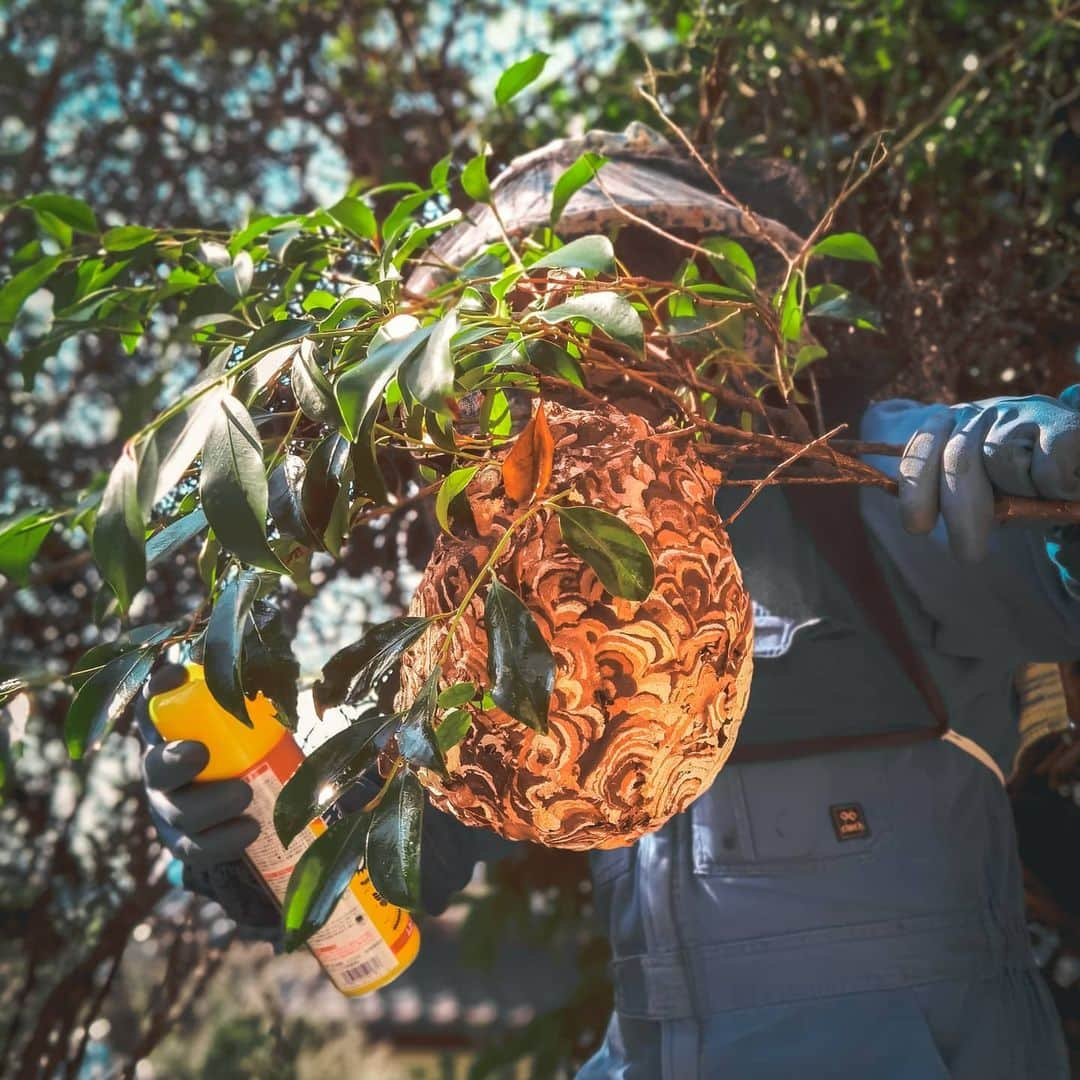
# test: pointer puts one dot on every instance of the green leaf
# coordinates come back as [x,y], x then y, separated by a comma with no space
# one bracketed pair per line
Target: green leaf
[326,774]
[322,482]
[180,438]
[593,253]
[268,666]
[21,287]
[519,663]
[791,312]
[20,538]
[225,643]
[322,874]
[607,311]
[356,216]
[359,389]
[71,211]
[353,672]
[312,389]
[105,697]
[127,237]
[119,530]
[416,740]
[429,375]
[833,302]
[618,555]
[453,727]
[174,536]
[450,489]
[474,179]
[236,278]
[364,297]
[552,359]
[849,245]
[393,843]
[233,486]
[277,333]
[367,476]
[806,356]
[456,695]
[732,263]
[285,499]
[573,180]
[517,76]
[440,171]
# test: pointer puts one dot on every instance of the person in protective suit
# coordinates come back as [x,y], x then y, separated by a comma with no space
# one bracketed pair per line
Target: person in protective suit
[846,900]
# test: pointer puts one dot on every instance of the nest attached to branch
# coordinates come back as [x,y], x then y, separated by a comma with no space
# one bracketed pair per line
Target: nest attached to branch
[648,695]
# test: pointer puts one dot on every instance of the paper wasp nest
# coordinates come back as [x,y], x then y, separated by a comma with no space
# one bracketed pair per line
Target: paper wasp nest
[648,695]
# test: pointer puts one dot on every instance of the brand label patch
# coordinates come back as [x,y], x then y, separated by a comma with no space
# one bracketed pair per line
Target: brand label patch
[849,821]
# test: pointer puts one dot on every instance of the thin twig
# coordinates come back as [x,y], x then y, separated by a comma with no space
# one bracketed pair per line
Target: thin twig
[756,489]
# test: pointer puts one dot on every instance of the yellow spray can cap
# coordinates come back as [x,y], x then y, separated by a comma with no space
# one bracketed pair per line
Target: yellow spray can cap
[190,711]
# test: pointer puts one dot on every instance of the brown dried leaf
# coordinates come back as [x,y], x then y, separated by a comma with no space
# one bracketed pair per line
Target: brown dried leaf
[526,472]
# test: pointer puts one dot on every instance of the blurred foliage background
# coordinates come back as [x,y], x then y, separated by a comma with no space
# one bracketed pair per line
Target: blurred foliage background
[197,114]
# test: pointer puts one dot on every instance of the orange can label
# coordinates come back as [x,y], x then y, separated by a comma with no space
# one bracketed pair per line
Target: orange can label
[367,941]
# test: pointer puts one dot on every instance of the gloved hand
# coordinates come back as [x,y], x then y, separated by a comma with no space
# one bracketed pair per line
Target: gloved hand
[961,457]
[202,824]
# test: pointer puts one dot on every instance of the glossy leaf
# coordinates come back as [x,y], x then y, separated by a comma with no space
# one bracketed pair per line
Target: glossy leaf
[449,490]
[453,727]
[233,486]
[732,263]
[834,302]
[180,438]
[416,740]
[277,333]
[517,76]
[224,645]
[285,500]
[21,287]
[393,842]
[118,538]
[591,253]
[456,695]
[353,672]
[607,311]
[168,541]
[236,278]
[807,355]
[791,312]
[20,538]
[848,245]
[322,482]
[268,666]
[519,662]
[615,552]
[73,212]
[127,237]
[356,216]
[326,773]
[312,389]
[526,470]
[474,179]
[104,697]
[429,375]
[572,180]
[321,875]
[360,388]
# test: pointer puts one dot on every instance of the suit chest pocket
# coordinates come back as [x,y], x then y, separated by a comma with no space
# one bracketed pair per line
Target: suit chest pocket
[803,814]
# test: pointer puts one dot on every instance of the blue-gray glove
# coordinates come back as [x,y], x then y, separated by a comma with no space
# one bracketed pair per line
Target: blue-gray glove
[961,457]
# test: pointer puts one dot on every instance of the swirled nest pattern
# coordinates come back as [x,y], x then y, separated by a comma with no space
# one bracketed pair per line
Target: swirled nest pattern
[648,695]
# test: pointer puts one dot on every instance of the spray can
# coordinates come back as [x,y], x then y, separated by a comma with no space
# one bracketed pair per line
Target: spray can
[367,942]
